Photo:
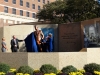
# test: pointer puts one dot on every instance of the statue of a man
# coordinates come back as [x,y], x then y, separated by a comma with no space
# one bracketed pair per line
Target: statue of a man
[39,36]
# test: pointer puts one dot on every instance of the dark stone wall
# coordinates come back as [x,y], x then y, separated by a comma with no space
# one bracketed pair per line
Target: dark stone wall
[70,37]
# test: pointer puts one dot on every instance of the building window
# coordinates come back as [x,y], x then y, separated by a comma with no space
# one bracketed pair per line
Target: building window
[27,14]
[44,1]
[27,4]
[38,7]
[33,6]
[33,15]
[48,2]
[6,0]
[13,11]
[21,12]
[6,9]
[21,2]
[14,1]
[38,0]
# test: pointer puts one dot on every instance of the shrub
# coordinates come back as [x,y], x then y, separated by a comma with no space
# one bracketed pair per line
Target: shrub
[69,69]
[92,67]
[48,68]
[4,68]
[25,69]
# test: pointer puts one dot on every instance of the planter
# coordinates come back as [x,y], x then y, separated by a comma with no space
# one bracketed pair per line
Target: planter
[38,74]
[62,74]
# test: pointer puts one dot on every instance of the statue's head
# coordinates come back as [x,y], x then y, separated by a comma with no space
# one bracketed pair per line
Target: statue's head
[36,27]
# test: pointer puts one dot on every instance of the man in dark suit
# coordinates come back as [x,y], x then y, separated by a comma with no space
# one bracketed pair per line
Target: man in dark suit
[14,44]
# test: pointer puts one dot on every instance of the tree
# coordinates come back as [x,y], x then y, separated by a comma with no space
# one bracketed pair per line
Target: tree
[52,11]
[79,10]
[70,11]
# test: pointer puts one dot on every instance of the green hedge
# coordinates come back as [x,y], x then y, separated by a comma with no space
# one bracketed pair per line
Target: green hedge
[4,67]
[25,69]
[48,68]
[69,69]
[91,67]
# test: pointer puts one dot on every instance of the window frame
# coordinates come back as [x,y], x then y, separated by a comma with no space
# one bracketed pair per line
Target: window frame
[5,7]
[33,6]
[27,14]
[14,1]
[39,1]
[13,11]
[33,15]
[39,7]
[6,0]
[48,2]
[27,4]
[21,12]
[21,2]
[44,1]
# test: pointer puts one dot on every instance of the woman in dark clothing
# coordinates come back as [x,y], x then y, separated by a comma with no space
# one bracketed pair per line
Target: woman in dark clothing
[49,43]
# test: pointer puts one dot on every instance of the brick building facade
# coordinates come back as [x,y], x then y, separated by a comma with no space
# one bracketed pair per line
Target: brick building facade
[19,11]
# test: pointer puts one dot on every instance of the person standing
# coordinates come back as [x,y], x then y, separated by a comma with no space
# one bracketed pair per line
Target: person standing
[4,47]
[86,42]
[49,43]
[14,44]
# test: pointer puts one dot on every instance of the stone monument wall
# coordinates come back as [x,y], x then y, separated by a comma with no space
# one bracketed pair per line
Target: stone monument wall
[22,31]
[15,60]
[70,37]
[36,60]
[58,59]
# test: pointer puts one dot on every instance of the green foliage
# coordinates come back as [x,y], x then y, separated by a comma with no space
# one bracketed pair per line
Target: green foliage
[25,69]
[4,68]
[70,11]
[92,67]
[57,20]
[48,68]
[69,69]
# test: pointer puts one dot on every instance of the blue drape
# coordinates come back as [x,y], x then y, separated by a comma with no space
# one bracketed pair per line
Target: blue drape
[30,43]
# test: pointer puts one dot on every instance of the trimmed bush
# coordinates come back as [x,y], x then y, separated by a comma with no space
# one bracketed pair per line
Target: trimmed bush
[48,68]
[69,69]
[25,69]
[92,67]
[4,68]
